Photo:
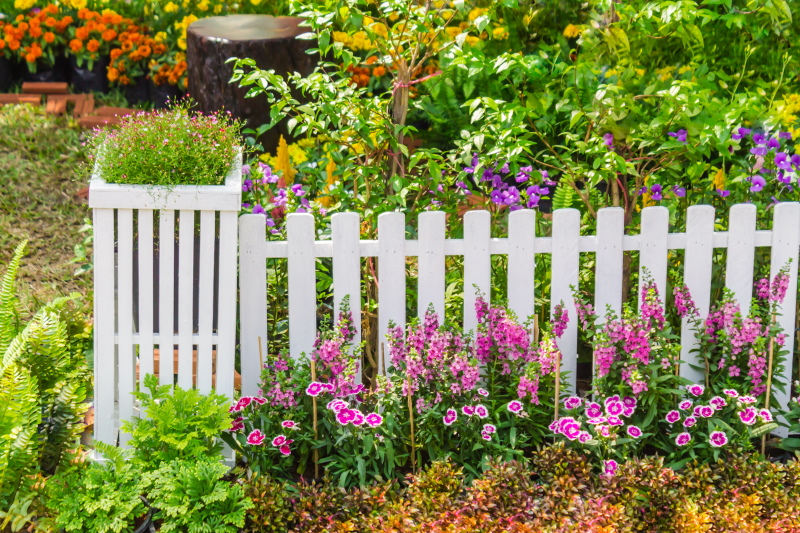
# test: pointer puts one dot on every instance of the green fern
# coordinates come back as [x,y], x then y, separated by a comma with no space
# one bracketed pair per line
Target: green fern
[8,299]
[564,196]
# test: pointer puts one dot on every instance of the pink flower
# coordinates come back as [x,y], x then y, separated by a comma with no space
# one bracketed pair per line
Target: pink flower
[237,424]
[243,402]
[489,428]
[345,416]
[706,411]
[747,400]
[481,411]
[584,436]
[593,410]
[685,405]
[718,402]
[689,422]
[337,405]
[486,436]
[597,420]
[673,416]
[285,450]
[748,416]
[610,467]
[573,402]
[328,387]
[614,421]
[683,439]
[278,441]
[290,424]
[765,415]
[717,439]
[514,406]
[571,430]
[603,430]
[450,417]
[259,401]
[314,389]
[634,432]
[628,411]
[256,438]
[374,420]
[614,408]
[468,410]
[483,392]
[629,401]
[696,390]
[358,419]
[731,393]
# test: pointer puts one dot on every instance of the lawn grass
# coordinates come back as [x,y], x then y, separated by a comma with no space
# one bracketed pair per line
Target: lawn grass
[43,165]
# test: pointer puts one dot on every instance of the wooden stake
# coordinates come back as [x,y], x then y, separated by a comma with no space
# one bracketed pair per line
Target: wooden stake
[314,414]
[260,354]
[383,358]
[769,381]
[411,418]
[558,382]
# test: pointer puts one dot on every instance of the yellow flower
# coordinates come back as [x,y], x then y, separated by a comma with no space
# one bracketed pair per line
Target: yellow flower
[452,31]
[472,40]
[380,30]
[500,33]
[76,4]
[685,68]
[719,180]
[394,16]
[477,12]
[665,73]
[160,37]
[284,164]
[203,6]
[330,168]
[639,71]
[171,7]
[367,22]
[24,5]
[182,43]
[571,31]
[218,9]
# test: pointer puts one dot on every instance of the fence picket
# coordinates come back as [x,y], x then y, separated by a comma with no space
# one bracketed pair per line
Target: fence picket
[105,367]
[302,284]
[741,253]
[166,288]
[345,230]
[185,299]
[785,245]
[208,230]
[653,248]
[608,261]
[697,277]
[145,318]
[391,273]
[477,263]
[127,364]
[565,266]
[430,281]
[521,262]
[252,300]
[226,319]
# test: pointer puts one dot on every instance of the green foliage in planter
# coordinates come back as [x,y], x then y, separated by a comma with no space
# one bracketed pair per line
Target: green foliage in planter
[192,498]
[271,511]
[44,382]
[168,147]
[183,424]
[97,497]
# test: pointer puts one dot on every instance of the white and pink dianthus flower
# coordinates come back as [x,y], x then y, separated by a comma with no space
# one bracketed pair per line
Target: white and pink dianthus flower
[717,439]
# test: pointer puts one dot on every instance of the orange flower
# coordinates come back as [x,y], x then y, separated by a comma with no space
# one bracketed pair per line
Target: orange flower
[20,17]
[113,74]
[52,9]
[50,22]
[13,44]
[23,26]
[76,45]
[49,37]
[2,44]
[115,53]
[144,51]
[159,49]
[126,46]
[83,13]
[91,25]
[30,58]
[124,80]
[35,32]
[93,45]
[379,71]
[101,28]
[109,35]
[371,60]
[82,33]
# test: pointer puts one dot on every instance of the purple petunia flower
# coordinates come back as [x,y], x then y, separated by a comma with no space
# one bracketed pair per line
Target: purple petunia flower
[655,192]
[783,162]
[683,439]
[740,133]
[717,439]
[757,183]
[259,210]
[246,170]
[673,416]
[773,143]
[247,185]
[785,135]
[634,432]
[759,138]
[680,192]
[298,190]
[723,193]
[759,150]
[679,135]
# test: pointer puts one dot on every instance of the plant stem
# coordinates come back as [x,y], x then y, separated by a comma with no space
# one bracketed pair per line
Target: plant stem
[314,413]
[411,418]
[769,377]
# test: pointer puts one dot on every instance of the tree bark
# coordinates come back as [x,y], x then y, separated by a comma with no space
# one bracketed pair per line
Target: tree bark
[270,41]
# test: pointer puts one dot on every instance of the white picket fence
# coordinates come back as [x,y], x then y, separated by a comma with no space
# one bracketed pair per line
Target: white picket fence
[521,246]
[117,338]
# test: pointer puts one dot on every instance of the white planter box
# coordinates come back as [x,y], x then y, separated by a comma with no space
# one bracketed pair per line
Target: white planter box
[196,273]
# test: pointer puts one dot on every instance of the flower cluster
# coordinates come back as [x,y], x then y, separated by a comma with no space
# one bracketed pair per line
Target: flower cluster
[35,38]
[336,359]
[602,422]
[508,188]
[345,415]
[95,34]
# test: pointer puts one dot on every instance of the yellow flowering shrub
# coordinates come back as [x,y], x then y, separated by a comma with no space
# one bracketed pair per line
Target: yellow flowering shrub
[571,31]
[24,5]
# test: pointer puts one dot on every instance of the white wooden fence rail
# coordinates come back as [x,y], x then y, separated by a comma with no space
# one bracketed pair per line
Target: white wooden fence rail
[522,246]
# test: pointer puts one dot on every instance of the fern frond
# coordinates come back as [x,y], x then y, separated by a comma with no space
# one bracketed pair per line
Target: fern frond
[564,196]
[8,299]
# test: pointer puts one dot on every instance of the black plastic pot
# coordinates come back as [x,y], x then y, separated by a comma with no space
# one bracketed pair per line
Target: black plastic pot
[84,80]
[8,73]
[138,91]
[56,73]
[146,526]
[164,93]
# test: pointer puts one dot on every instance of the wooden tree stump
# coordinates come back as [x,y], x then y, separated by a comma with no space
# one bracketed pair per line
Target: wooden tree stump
[270,41]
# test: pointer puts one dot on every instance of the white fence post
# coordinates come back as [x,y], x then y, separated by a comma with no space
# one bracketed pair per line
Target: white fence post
[741,253]
[346,232]
[477,263]
[521,262]
[608,265]
[252,300]
[564,276]
[300,233]
[653,248]
[391,273]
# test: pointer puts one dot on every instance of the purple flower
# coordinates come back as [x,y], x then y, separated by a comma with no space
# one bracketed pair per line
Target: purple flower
[247,185]
[759,150]
[314,389]
[706,411]
[571,430]
[584,436]
[246,170]
[634,432]
[680,192]
[718,402]
[486,436]
[463,187]
[759,138]
[614,408]
[290,424]
[593,410]
[655,191]
[695,390]
[730,392]
[717,439]
[524,174]
[747,400]
[614,421]
[608,139]
[689,422]
[610,467]
[740,133]
[256,438]
[345,416]
[685,405]
[481,411]
[782,161]
[673,416]
[450,417]
[471,170]
[765,415]
[785,135]
[773,143]
[758,183]
[483,392]
[489,428]
[680,135]
[258,210]
[297,189]
[468,410]
[358,417]
[683,439]
[723,193]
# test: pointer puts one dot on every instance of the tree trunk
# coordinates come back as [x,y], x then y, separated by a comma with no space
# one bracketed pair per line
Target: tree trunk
[270,41]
